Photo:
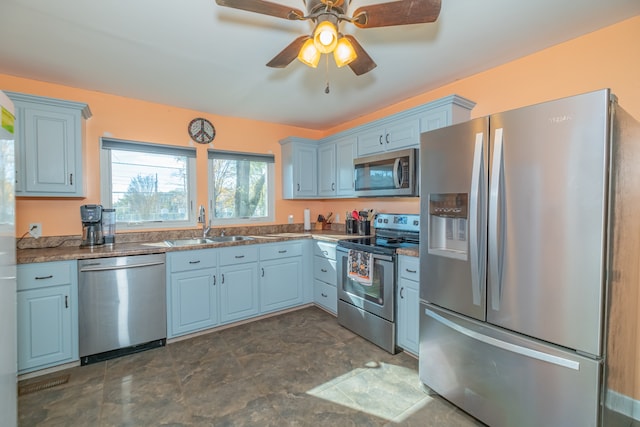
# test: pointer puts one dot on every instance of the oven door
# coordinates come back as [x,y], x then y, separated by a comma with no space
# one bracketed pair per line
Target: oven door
[378,298]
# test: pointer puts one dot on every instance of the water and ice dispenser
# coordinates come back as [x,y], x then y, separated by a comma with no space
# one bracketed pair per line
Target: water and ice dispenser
[448,225]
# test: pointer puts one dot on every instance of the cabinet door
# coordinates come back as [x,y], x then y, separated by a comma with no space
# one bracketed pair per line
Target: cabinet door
[194,301]
[346,151]
[371,142]
[306,171]
[435,119]
[327,170]
[44,327]
[50,151]
[403,134]
[280,284]
[238,292]
[408,315]
[325,296]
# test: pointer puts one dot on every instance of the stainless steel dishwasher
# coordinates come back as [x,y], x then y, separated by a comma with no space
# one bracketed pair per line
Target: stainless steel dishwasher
[122,306]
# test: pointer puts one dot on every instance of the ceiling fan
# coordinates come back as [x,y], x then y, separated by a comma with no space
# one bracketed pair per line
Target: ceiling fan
[326,37]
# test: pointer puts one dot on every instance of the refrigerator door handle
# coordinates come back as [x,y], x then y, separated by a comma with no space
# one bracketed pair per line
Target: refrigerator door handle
[514,348]
[477,219]
[495,220]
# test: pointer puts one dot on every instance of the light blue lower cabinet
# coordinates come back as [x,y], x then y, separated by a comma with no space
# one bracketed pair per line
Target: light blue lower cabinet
[44,327]
[408,315]
[194,301]
[47,315]
[238,292]
[280,284]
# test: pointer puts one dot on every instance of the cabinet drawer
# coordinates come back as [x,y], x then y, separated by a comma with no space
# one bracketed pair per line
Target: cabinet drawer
[45,274]
[325,295]
[409,267]
[238,254]
[325,249]
[280,250]
[325,269]
[191,260]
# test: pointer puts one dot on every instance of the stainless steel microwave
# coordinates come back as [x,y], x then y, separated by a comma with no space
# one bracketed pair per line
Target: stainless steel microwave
[387,174]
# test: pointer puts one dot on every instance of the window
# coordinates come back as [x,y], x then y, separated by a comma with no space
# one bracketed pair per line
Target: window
[149,185]
[240,187]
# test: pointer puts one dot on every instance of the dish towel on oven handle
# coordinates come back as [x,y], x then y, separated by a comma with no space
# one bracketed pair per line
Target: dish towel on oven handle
[360,267]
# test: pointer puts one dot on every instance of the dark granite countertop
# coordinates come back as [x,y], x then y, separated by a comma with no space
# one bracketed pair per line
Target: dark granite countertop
[63,253]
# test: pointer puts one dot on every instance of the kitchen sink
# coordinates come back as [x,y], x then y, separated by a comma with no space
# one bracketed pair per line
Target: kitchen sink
[221,239]
[188,242]
[195,242]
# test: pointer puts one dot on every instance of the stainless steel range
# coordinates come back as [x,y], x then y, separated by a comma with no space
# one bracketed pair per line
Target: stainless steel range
[367,278]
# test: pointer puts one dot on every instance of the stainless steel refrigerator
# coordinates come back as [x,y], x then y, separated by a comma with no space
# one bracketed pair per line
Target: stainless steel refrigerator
[529,263]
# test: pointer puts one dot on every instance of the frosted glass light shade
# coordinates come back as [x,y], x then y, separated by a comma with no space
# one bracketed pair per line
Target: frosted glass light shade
[325,37]
[308,54]
[344,53]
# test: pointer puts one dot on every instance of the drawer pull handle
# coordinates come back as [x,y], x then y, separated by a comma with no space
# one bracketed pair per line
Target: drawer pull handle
[401,290]
[214,280]
[283,251]
[70,179]
[194,262]
[323,270]
[222,278]
[262,271]
[66,301]
[411,271]
[44,277]
[324,295]
[239,256]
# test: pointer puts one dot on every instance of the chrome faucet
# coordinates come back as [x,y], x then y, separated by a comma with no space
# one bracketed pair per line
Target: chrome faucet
[202,219]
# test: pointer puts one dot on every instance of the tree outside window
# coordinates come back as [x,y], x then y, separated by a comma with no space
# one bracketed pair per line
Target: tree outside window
[240,185]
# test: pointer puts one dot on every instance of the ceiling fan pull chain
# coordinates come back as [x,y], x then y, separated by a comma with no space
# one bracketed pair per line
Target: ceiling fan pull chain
[326,89]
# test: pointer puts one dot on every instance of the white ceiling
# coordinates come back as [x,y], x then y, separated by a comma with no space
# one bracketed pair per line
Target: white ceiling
[195,54]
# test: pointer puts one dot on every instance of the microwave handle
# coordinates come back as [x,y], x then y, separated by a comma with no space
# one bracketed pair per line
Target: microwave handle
[398,179]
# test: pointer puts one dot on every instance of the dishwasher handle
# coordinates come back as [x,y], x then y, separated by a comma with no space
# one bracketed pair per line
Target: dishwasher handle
[120,267]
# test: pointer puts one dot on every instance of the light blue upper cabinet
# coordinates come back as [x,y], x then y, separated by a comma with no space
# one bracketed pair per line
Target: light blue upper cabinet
[327,170]
[394,136]
[324,168]
[299,168]
[49,146]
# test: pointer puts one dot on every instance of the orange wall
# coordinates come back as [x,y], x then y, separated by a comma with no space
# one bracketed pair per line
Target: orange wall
[133,119]
[605,58]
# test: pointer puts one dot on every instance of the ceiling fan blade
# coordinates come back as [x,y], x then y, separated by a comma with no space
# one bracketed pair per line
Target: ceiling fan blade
[397,13]
[363,63]
[264,7]
[288,54]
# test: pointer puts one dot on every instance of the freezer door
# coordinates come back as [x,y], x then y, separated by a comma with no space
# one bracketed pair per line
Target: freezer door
[453,200]
[504,379]
[547,215]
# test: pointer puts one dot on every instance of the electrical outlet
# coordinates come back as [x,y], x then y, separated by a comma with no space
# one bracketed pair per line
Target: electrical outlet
[35,229]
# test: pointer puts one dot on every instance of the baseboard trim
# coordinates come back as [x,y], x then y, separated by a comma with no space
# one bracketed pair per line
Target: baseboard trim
[623,404]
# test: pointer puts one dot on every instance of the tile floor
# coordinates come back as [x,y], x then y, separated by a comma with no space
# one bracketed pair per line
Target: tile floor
[296,369]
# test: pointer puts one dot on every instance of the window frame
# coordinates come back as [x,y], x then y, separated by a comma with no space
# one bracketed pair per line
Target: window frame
[153,148]
[269,159]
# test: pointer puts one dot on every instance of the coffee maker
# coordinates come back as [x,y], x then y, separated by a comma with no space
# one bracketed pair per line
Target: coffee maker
[91,217]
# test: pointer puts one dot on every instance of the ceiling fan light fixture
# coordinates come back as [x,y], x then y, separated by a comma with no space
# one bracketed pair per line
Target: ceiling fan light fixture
[344,53]
[325,36]
[308,54]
